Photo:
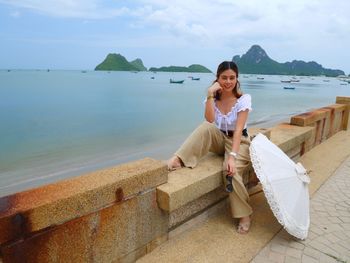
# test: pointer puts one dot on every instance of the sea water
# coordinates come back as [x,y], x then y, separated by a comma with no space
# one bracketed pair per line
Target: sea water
[58,124]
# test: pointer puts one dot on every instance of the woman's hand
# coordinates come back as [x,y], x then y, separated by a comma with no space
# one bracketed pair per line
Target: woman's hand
[231,166]
[214,88]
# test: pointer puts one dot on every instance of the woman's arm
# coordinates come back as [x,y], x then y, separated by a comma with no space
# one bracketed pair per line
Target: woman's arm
[209,113]
[242,117]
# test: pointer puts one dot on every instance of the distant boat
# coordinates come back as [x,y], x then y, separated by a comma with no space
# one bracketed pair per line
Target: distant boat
[83,71]
[193,78]
[286,81]
[289,87]
[260,78]
[326,80]
[177,81]
[152,77]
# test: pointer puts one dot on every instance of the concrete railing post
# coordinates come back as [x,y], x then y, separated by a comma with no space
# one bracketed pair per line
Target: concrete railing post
[346,101]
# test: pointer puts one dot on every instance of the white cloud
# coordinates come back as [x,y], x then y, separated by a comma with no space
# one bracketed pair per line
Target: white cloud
[299,29]
[296,29]
[87,9]
[217,21]
[211,21]
[15,14]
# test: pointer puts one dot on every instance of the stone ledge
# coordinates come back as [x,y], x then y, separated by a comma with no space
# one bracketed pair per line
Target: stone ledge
[287,136]
[345,101]
[308,118]
[192,209]
[103,236]
[54,204]
[186,185]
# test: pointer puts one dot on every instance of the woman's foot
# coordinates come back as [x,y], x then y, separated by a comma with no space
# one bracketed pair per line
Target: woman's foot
[174,163]
[244,225]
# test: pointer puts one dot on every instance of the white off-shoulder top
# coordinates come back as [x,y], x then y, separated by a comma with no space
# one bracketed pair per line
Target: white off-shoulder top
[227,121]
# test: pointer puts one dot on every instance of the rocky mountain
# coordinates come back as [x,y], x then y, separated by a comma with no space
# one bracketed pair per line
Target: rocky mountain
[256,61]
[119,63]
[138,64]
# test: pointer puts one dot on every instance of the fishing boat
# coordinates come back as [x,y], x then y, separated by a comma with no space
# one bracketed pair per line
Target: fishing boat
[286,81]
[193,78]
[289,87]
[260,78]
[177,81]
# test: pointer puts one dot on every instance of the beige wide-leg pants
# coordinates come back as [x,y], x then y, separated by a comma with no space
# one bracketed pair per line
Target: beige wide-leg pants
[208,138]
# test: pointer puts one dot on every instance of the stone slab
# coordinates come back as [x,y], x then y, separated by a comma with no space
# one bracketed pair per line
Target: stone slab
[186,185]
[287,136]
[130,226]
[124,230]
[195,207]
[345,101]
[308,118]
[66,243]
[54,204]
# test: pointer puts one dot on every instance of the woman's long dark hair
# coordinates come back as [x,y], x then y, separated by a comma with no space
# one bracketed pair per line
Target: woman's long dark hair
[225,66]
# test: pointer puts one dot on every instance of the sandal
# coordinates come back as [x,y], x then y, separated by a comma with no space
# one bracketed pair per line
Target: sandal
[174,163]
[243,228]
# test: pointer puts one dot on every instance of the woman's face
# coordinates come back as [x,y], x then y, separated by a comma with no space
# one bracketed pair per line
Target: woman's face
[228,79]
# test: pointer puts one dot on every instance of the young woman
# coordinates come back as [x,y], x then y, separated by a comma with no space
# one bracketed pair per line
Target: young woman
[224,133]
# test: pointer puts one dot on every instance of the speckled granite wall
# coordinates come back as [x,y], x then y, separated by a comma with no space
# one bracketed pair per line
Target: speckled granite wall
[100,217]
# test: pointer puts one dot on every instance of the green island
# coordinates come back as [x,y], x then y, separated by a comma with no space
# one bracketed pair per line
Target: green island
[119,63]
[256,61]
[191,68]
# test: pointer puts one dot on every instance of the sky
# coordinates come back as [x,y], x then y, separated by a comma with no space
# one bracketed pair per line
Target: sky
[78,34]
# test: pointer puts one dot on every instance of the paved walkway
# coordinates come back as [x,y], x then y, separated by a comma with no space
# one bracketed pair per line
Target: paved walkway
[329,235]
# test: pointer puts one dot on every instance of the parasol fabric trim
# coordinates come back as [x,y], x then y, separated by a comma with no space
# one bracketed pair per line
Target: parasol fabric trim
[288,223]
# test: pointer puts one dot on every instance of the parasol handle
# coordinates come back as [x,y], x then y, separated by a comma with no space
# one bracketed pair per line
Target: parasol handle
[302,173]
